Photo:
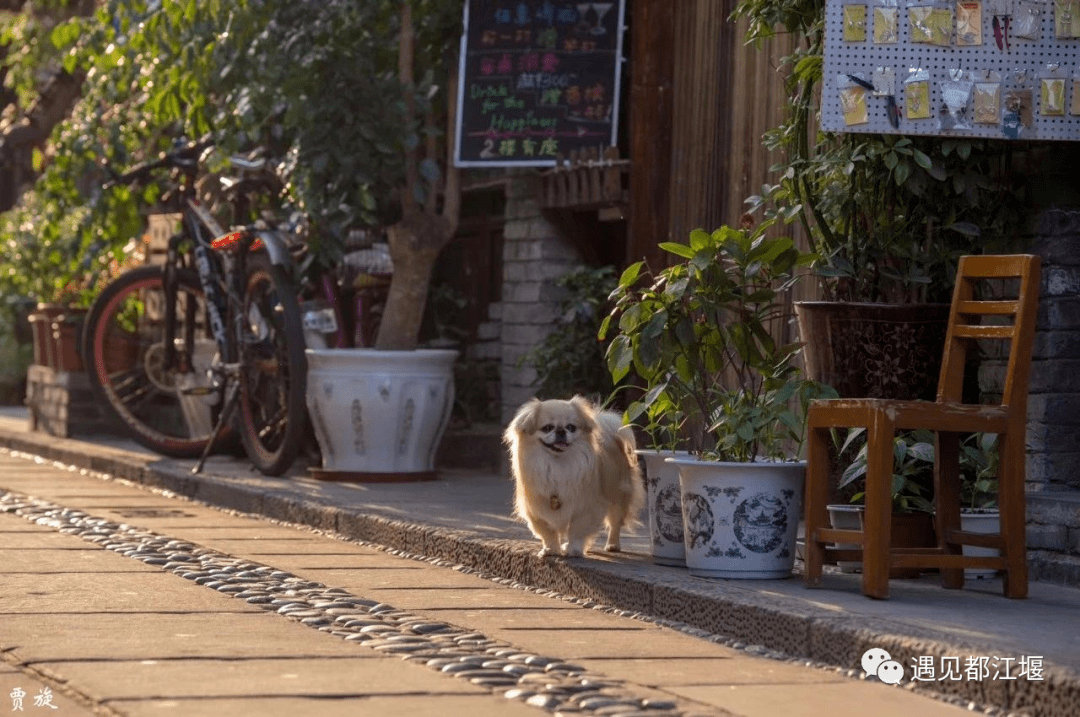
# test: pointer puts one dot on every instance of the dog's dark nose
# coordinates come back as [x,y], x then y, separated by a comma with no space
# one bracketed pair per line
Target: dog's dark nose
[560,434]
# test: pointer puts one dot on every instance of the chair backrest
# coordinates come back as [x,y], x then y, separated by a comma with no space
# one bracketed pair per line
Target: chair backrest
[1010,320]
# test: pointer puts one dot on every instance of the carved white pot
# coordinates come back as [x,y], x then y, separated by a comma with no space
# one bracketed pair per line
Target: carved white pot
[740,519]
[379,415]
[664,507]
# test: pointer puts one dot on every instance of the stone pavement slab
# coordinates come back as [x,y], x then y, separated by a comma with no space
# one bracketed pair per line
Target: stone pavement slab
[160,636]
[395,706]
[363,674]
[141,592]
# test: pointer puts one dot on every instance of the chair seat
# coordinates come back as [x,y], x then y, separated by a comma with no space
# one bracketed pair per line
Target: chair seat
[906,415]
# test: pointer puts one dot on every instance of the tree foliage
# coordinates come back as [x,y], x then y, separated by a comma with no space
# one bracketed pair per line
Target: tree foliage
[315,81]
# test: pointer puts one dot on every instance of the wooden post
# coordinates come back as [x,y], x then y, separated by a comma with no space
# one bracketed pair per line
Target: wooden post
[652,29]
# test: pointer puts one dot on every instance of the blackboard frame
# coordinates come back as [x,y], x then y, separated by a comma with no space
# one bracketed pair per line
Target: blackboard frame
[472,159]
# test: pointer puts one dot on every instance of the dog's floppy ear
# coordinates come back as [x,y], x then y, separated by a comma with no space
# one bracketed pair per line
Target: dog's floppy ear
[586,410]
[526,419]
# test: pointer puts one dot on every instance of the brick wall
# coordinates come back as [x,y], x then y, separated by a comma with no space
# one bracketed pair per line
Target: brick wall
[534,256]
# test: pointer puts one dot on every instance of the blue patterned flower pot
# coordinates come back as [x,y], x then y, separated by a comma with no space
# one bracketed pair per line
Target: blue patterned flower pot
[664,507]
[740,519]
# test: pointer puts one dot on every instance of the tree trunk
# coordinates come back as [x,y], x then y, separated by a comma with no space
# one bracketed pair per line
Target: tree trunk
[415,243]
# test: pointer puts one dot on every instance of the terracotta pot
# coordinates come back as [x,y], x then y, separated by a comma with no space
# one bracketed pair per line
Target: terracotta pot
[874,350]
[41,326]
[66,336]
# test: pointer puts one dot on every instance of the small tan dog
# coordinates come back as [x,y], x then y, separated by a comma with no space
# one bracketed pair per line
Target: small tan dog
[574,468]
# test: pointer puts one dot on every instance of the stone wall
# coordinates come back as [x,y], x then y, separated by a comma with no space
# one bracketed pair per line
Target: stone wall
[535,255]
[1053,435]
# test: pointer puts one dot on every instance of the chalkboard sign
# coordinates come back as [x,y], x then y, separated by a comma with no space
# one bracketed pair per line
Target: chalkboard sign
[537,78]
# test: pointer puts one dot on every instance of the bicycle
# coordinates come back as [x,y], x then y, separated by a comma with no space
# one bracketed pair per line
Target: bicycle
[176,348]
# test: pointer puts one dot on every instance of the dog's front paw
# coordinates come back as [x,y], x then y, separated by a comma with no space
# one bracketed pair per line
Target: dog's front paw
[547,552]
[613,547]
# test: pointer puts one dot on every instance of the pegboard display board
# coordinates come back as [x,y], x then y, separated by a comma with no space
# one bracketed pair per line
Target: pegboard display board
[1019,68]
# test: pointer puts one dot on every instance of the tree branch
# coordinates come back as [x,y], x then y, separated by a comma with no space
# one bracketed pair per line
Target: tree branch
[48,110]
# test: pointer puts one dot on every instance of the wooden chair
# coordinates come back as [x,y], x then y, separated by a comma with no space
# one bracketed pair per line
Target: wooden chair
[1012,320]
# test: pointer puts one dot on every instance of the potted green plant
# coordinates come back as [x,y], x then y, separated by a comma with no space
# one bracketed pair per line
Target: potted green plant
[887,215]
[697,335]
[912,490]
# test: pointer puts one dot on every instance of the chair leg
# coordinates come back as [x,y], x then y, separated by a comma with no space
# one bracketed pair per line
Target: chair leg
[947,502]
[877,532]
[817,495]
[1012,505]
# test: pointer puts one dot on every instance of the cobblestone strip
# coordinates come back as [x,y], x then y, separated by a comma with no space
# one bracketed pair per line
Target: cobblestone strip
[537,680]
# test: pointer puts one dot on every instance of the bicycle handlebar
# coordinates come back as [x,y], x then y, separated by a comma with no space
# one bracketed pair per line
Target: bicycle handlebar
[186,157]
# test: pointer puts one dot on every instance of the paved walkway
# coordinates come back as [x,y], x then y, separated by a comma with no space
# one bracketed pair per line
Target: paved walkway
[464,518]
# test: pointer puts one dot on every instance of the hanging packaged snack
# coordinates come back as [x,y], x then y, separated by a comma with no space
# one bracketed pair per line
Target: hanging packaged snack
[917,94]
[854,23]
[986,97]
[969,22]
[1016,116]
[1074,108]
[1052,91]
[931,24]
[1027,19]
[886,23]
[884,82]
[1067,18]
[852,91]
[955,96]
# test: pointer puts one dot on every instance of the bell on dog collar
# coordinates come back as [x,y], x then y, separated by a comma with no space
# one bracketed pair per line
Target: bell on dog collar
[555,502]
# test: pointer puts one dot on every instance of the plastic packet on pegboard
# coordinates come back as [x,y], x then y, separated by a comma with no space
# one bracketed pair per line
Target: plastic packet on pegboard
[1052,91]
[969,22]
[855,22]
[931,23]
[1067,18]
[917,94]
[1027,19]
[886,22]
[955,96]
[1074,108]
[852,90]
[986,97]
[1016,117]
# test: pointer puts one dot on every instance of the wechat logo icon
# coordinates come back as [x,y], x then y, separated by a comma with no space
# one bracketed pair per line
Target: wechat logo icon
[880,664]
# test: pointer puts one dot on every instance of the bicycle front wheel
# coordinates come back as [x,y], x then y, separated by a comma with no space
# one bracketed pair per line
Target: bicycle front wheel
[273,371]
[171,409]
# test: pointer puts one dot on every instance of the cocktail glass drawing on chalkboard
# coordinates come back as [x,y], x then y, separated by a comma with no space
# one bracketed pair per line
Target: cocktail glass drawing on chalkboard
[593,25]
[601,9]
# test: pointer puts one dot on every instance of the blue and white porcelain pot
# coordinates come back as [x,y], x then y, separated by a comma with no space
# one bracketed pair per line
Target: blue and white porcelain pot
[740,520]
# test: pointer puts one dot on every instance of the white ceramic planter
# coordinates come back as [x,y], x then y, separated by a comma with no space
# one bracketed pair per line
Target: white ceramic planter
[740,519]
[379,415]
[980,523]
[665,507]
[847,517]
